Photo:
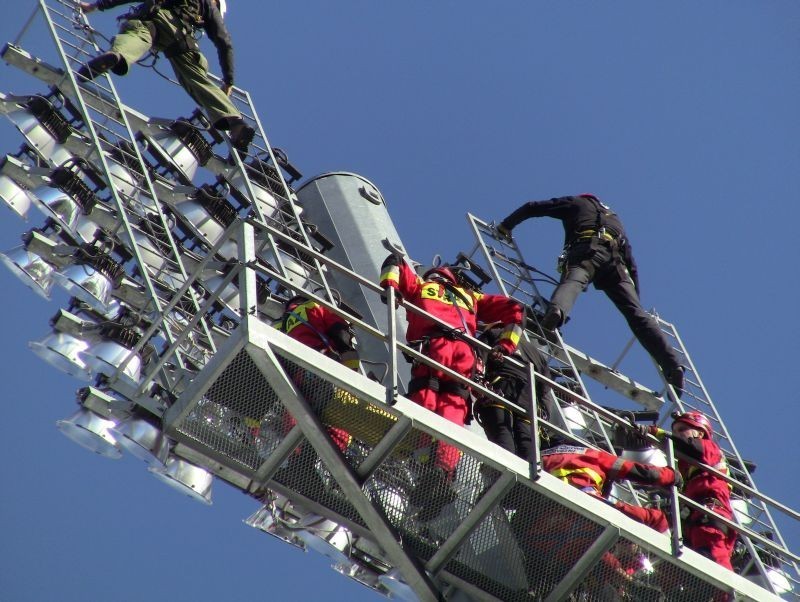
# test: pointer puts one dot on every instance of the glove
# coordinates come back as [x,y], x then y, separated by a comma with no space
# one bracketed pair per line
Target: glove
[678,480]
[397,297]
[651,429]
[503,232]
[497,354]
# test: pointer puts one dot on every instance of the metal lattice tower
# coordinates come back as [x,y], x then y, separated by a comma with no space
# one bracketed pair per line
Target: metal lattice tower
[198,246]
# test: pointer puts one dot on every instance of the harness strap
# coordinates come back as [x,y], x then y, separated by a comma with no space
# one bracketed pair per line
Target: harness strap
[438,385]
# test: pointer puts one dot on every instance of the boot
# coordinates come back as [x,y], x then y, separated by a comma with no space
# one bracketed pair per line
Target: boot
[675,377]
[552,318]
[99,65]
[241,135]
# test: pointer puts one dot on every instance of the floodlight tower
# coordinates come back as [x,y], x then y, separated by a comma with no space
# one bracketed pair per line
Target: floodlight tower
[178,253]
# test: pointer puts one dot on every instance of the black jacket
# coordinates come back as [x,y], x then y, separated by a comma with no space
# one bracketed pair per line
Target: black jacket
[578,214]
[213,25]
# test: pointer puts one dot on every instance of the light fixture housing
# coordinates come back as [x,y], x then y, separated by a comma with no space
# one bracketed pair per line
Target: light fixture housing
[326,537]
[15,196]
[392,580]
[273,522]
[36,273]
[90,430]
[63,351]
[112,354]
[142,439]
[92,278]
[185,477]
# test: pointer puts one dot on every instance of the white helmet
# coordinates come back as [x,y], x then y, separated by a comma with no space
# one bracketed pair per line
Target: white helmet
[222,7]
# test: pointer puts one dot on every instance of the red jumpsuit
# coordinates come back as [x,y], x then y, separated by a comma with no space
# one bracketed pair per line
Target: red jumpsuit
[460,308]
[318,327]
[703,534]
[590,469]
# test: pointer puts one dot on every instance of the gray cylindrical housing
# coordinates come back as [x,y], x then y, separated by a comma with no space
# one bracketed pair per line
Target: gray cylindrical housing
[350,211]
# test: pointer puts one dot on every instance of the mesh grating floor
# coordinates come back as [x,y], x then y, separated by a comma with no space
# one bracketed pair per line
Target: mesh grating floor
[521,550]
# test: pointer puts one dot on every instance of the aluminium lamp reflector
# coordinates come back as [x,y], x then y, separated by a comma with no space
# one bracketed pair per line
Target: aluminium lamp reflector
[31,269]
[326,537]
[271,521]
[143,440]
[63,351]
[185,477]
[15,197]
[91,278]
[43,126]
[112,354]
[393,581]
[90,430]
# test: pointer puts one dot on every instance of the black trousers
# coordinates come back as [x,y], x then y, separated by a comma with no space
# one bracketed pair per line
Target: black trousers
[507,429]
[595,262]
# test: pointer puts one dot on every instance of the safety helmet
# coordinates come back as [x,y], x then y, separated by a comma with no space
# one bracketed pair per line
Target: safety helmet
[695,420]
[222,7]
[441,272]
[589,195]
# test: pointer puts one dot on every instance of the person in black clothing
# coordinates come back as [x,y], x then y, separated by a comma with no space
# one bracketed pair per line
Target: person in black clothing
[169,27]
[597,250]
[510,430]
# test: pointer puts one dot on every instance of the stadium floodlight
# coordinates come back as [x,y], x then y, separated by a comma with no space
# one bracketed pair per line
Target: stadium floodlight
[92,277]
[208,214]
[31,269]
[185,477]
[112,353]
[178,145]
[14,196]
[326,537]
[393,581]
[41,123]
[68,199]
[141,438]
[359,573]
[63,350]
[272,521]
[90,430]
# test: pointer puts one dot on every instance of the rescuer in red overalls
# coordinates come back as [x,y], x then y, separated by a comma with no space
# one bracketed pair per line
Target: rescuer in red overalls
[552,536]
[692,434]
[318,327]
[592,470]
[439,293]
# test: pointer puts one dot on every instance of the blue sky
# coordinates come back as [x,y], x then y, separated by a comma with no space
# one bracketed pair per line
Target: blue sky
[682,116]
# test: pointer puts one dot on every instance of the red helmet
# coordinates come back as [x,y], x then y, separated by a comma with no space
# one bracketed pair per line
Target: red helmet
[589,195]
[441,272]
[696,420]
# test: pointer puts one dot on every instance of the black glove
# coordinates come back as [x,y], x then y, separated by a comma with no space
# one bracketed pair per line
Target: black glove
[678,481]
[497,354]
[504,232]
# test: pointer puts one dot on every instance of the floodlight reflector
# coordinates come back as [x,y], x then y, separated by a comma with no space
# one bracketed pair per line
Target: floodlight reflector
[185,477]
[63,351]
[143,440]
[90,430]
[31,269]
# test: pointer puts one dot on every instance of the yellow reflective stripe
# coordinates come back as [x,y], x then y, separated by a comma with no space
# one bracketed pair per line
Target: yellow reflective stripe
[512,333]
[297,316]
[590,233]
[392,274]
[434,291]
[565,473]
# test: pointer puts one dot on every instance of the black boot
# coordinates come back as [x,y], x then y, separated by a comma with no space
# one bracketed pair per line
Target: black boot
[552,318]
[99,65]
[675,377]
[241,135]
